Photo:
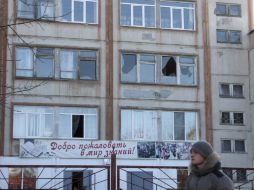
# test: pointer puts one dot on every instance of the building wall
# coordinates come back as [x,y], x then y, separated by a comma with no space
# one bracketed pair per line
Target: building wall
[229,63]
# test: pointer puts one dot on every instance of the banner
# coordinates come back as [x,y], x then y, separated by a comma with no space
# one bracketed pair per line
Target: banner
[32,148]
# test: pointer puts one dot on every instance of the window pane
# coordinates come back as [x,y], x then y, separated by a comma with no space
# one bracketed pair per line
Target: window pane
[137,16]
[165,17]
[238,118]
[169,70]
[26,8]
[150,125]
[64,128]
[179,128]
[91,126]
[147,73]
[24,62]
[126,124]
[68,63]
[177,18]
[167,122]
[177,4]
[239,146]
[78,11]
[148,2]
[225,118]
[87,70]
[235,10]
[125,14]
[44,67]
[224,90]
[138,125]
[237,90]
[140,180]
[88,54]
[78,126]
[149,16]
[33,125]
[66,10]
[221,9]
[19,124]
[235,36]
[91,12]
[187,60]
[226,145]
[147,58]
[187,75]
[190,125]
[222,36]
[129,68]
[47,123]
[189,19]
[45,9]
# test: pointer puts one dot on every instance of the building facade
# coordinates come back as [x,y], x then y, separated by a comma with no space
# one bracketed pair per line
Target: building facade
[158,73]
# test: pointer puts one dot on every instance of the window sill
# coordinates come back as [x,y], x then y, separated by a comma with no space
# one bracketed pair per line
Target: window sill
[55,80]
[157,28]
[55,21]
[160,84]
[230,124]
[235,97]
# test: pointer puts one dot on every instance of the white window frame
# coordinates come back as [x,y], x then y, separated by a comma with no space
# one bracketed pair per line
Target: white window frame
[84,12]
[178,69]
[143,14]
[84,125]
[232,144]
[231,90]
[232,118]
[56,114]
[157,114]
[182,15]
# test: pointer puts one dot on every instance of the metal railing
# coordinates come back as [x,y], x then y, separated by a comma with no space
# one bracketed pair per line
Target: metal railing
[58,177]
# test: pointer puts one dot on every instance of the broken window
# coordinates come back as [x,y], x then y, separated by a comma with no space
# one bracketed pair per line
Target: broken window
[129,67]
[78,126]
[187,67]
[169,69]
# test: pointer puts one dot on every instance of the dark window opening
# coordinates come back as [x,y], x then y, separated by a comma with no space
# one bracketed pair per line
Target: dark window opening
[238,118]
[225,117]
[78,126]
[239,146]
[169,66]
[77,180]
[241,175]
[226,146]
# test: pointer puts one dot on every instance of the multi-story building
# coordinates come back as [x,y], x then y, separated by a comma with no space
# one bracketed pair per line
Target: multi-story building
[156,75]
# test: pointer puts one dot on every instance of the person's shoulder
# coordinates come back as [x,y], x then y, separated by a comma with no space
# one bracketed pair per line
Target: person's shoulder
[225,183]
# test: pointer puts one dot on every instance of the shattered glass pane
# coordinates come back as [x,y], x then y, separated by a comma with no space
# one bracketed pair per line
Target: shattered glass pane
[129,68]
[187,75]
[169,70]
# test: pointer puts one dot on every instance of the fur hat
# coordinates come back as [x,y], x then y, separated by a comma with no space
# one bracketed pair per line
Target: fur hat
[203,148]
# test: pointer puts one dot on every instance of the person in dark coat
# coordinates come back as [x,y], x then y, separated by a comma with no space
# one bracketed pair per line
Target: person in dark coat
[205,173]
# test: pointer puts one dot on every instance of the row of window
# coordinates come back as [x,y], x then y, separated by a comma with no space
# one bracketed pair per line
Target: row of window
[67,122]
[82,64]
[233,146]
[176,15]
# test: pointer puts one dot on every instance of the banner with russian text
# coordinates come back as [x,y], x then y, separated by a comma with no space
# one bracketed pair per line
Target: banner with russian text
[33,148]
